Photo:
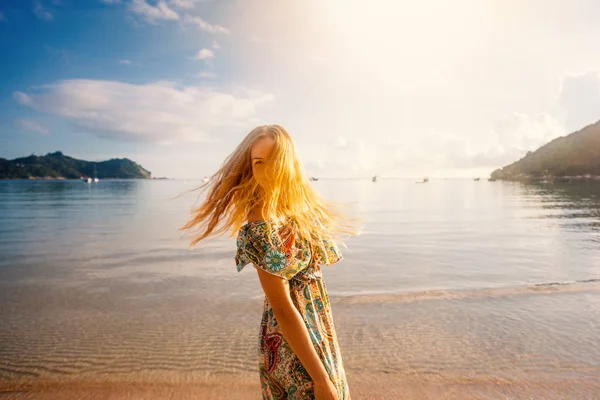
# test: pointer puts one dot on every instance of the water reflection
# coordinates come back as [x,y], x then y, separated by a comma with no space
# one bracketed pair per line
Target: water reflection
[576,202]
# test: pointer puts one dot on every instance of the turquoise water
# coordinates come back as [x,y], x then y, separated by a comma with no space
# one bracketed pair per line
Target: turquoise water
[452,276]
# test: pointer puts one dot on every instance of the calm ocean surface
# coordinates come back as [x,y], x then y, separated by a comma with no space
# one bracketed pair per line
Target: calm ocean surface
[453,279]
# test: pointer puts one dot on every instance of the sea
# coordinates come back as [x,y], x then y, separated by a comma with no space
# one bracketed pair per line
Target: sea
[494,286]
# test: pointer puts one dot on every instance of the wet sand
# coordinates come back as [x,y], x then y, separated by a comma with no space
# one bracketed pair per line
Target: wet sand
[125,343]
[364,386]
[161,337]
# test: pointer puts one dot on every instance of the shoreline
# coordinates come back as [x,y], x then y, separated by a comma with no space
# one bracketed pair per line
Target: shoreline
[370,386]
[548,179]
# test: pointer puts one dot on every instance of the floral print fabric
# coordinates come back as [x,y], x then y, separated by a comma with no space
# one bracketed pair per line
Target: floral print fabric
[282,375]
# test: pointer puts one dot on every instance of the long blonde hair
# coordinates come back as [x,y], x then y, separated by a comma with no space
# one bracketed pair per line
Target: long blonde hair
[285,193]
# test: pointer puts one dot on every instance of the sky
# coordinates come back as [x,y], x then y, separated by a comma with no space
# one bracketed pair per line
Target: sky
[394,88]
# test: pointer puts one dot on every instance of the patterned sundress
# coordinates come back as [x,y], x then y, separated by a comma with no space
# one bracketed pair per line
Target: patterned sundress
[282,375]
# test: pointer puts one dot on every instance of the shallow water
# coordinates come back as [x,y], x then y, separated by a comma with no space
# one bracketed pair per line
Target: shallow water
[451,280]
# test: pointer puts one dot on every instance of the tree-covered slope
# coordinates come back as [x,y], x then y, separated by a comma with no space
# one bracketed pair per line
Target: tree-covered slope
[577,154]
[58,166]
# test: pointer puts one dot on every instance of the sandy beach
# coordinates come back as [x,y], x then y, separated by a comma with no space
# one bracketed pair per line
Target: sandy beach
[407,347]
[363,386]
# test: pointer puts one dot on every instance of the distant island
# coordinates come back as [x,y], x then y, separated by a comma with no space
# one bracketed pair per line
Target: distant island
[58,166]
[576,156]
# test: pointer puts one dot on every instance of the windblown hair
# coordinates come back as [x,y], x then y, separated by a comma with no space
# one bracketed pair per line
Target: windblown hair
[283,192]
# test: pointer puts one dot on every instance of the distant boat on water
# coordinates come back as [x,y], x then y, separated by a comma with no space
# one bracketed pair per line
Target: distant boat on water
[425,180]
[205,179]
[313,179]
[476,179]
[374,178]
[91,180]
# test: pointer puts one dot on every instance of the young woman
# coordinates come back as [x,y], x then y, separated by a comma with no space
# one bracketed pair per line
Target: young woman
[286,230]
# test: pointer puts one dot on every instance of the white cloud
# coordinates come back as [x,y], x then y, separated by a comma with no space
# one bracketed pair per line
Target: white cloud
[205,26]
[436,153]
[216,45]
[513,135]
[509,139]
[577,105]
[526,133]
[23,99]
[155,112]
[41,12]
[204,54]
[31,126]
[340,141]
[125,62]
[152,13]
[182,3]
[208,75]
[579,100]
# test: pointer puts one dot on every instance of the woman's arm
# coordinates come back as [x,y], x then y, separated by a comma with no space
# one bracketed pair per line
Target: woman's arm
[292,325]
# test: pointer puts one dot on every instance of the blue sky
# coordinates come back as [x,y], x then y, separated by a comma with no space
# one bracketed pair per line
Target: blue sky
[53,41]
[394,88]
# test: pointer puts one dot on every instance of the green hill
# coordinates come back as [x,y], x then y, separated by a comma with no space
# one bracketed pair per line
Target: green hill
[574,156]
[58,166]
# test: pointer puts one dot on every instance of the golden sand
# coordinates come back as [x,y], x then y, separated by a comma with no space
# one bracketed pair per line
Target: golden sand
[363,386]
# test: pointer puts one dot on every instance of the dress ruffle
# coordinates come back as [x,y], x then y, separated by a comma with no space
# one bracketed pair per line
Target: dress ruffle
[286,254]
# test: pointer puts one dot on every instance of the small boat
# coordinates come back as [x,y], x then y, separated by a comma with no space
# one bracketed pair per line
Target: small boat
[476,179]
[205,179]
[374,179]
[313,179]
[425,180]
[95,174]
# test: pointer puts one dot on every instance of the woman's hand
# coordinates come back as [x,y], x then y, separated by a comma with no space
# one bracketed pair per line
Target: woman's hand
[325,390]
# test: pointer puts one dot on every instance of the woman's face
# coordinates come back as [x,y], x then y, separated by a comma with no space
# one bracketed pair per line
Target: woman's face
[259,154]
